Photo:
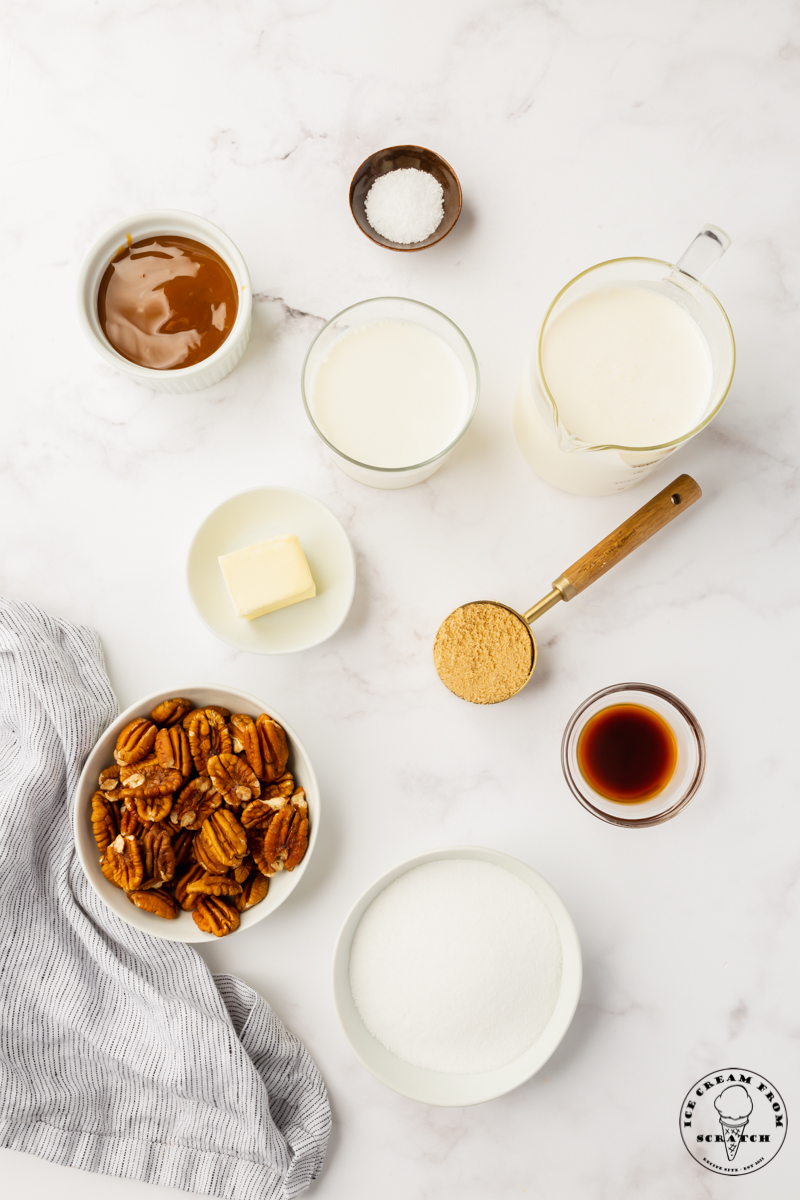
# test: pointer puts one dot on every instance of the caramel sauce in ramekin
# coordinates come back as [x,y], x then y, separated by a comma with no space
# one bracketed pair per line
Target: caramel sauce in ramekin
[167,302]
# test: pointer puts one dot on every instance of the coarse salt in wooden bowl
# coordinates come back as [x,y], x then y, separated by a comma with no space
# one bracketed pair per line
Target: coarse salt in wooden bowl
[395,158]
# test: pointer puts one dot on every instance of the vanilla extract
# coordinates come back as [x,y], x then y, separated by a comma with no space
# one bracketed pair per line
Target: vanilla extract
[627,753]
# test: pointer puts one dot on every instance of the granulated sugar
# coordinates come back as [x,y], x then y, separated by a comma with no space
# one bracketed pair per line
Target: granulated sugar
[405,205]
[456,966]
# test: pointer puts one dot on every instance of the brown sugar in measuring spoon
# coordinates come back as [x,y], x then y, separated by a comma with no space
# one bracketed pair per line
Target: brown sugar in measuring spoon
[485,651]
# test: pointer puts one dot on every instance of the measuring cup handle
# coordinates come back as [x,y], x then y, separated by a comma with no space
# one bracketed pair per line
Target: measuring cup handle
[706,249]
[657,513]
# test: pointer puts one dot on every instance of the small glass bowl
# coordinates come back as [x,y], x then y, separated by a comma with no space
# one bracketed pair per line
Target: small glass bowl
[390,308]
[688,772]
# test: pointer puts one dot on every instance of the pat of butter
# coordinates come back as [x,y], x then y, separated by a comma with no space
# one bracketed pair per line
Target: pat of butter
[267,576]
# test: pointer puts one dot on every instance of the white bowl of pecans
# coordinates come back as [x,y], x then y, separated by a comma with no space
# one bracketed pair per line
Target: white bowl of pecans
[196,813]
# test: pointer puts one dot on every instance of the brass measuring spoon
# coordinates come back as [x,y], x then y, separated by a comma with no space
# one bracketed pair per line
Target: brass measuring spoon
[485,651]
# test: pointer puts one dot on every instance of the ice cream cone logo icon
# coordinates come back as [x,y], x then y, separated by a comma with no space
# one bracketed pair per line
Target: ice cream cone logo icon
[734,1105]
[733,1121]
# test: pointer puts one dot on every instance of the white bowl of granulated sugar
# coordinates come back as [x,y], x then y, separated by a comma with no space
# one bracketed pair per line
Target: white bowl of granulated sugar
[456,975]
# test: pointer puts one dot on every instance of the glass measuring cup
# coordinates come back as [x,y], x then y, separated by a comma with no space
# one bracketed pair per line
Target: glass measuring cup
[555,452]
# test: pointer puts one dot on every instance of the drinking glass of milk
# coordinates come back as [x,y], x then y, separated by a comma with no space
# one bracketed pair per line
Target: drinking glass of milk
[634,357]
[390,385]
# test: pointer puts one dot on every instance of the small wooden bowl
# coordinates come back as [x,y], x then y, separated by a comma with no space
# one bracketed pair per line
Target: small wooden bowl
[392,159]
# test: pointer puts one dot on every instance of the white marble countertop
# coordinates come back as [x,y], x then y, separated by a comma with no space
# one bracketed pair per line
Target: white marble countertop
[580,132]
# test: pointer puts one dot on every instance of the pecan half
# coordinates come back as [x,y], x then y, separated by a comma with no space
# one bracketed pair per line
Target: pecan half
[258,813]
[182,848]
[217,708]
[122,863]
[158,902]
[282,788]
[236,745]
[275,839]
[274,750]
[215,916]
[104,821]
[187,901]
[208,735]
[196,803]
[154,781]
[257,840]
[171,712]
[129,823]
[206,860]
[243,872]
[134,770]
[244,730]
[253,892]
[156,808]
[172,750]
[297,837]
[223,838]
[233,779]
[199,735]
[213,885]
[158,854]
[284,840]
[136,741]
[109,779]
[220,734]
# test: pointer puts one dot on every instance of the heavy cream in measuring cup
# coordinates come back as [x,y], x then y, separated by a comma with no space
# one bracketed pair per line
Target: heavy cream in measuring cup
[633,358]
[390,393]
[627,366]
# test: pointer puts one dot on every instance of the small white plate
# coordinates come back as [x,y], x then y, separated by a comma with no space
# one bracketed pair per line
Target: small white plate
[102,755]
[252,517]
[434,1087]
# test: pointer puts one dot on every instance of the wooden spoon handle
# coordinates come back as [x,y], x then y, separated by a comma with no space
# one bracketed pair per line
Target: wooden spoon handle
[657,513]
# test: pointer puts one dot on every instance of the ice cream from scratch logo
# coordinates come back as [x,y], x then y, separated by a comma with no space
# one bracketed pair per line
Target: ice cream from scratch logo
[733,1122]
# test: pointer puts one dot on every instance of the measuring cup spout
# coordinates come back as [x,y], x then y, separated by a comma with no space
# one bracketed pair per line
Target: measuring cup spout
[706,250]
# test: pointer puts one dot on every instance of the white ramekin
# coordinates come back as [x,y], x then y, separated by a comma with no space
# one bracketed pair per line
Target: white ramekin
[167,221]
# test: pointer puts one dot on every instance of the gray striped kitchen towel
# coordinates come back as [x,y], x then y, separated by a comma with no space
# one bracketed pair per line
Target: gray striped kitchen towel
[119,1052]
